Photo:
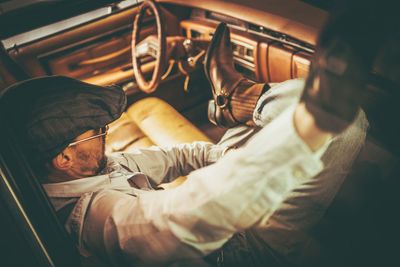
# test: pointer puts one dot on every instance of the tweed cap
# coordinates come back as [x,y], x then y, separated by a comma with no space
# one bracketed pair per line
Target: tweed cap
[48,113]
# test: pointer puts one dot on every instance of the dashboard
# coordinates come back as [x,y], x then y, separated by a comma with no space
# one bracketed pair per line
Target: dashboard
[270,41]
[258,53]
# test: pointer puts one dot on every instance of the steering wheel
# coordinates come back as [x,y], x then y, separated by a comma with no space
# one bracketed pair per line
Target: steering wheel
[158,50]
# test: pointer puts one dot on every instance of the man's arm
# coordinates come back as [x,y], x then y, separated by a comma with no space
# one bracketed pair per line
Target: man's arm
[240,190]
[164,164]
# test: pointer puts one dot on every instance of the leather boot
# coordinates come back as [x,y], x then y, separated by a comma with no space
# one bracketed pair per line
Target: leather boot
[234,96]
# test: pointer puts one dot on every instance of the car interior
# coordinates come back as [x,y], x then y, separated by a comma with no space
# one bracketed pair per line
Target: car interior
[156,55]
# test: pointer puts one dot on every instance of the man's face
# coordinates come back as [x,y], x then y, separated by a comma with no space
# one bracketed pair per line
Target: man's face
[89,153]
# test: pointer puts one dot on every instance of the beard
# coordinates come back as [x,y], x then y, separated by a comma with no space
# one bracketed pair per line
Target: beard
[102,163]
[98,157]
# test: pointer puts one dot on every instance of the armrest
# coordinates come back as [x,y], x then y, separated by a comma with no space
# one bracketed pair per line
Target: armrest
[104,58]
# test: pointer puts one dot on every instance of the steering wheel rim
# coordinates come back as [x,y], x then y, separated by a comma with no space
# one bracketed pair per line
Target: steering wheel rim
[144,85]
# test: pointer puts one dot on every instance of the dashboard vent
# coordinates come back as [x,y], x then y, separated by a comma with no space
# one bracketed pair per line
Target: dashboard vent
[243,54]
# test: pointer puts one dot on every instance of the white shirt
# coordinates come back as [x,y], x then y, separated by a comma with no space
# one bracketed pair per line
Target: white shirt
[127,226]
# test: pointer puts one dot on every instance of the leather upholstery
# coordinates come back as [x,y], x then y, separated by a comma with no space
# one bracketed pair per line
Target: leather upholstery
[124,134]
[162,124]
[262,62]
[300,64]
[151,121]
[279,62]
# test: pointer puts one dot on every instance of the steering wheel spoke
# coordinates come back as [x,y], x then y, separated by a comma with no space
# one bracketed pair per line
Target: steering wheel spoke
[147,47]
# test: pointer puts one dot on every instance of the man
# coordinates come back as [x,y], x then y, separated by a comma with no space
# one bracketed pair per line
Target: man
[117,216]
[164,226]
[192,219]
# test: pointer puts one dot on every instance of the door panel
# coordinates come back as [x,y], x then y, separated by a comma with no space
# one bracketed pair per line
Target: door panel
[89,60]
[62,53]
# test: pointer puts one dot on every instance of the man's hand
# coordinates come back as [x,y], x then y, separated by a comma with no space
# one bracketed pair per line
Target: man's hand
[335,84]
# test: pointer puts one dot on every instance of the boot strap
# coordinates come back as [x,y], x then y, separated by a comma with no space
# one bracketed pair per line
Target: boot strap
[244,100]
[229,109]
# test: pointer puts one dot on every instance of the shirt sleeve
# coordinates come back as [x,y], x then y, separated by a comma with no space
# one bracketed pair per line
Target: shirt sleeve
[239,191]
[164,164]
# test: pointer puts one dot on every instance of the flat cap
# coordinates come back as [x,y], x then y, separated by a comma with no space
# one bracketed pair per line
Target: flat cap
[48,113]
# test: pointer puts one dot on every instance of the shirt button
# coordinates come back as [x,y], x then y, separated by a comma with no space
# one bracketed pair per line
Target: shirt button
[298,172]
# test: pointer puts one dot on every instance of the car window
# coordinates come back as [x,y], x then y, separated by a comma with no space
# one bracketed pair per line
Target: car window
[32,29]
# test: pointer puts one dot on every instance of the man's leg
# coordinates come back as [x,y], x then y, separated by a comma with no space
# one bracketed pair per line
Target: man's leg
[269,106]
[315,125]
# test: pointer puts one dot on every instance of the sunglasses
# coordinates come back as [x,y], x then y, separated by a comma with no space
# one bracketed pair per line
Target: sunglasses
[103,132]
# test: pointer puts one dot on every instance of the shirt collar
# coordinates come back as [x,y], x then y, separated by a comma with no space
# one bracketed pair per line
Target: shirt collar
[113,177]
[76,188]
